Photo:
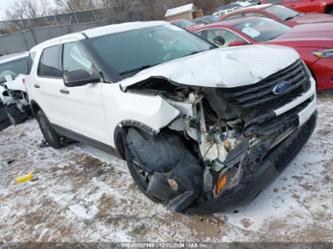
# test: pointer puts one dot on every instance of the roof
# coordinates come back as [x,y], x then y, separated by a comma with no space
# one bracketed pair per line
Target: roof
[122,27]
[100,31]
[180,10]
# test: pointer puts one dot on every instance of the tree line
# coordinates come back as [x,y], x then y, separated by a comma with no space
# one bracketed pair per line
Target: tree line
[29,9]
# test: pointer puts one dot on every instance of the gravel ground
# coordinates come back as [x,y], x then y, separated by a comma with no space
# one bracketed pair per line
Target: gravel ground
[81,194]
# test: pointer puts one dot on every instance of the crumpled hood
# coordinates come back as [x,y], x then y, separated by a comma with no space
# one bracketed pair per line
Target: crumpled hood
[224,67]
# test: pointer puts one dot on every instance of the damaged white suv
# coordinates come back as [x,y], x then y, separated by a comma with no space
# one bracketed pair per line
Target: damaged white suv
[201,128]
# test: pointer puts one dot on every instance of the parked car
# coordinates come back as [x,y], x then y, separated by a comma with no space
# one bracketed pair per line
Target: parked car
[206,20]
[280,14]
[4,121]
[201,128]
[232,6]
[312,6]
[13,92]
[224,12]
[314,42]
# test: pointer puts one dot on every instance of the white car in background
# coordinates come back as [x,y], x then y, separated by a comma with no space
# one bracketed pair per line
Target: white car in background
[13,91]
[231,7]
[201,127]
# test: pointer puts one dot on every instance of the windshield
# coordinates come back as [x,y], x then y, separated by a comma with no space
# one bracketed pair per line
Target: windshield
[183,23]
[13,68]
[262,29]
[282,12]
[132,51]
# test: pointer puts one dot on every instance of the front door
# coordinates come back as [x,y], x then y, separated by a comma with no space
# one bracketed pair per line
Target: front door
[83,110]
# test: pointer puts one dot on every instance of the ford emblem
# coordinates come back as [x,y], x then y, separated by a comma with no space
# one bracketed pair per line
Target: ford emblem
[281,88]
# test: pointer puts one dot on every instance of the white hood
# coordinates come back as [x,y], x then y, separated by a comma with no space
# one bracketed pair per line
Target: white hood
[224,67]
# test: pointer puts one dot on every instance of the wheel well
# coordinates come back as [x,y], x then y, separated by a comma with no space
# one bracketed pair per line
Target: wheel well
[121,132]
[329,8]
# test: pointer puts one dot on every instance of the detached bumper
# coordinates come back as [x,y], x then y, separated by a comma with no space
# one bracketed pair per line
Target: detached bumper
[273,164]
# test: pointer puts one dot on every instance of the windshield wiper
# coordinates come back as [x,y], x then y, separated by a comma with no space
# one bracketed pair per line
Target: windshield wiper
[200,51]
[291,17]
[136,70]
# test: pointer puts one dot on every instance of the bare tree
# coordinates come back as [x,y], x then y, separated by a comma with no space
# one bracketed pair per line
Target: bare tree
[75,5]
[27,9]
[117,6]
[149,7]
[22,9]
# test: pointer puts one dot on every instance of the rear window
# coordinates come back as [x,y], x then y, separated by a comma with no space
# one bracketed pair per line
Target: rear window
[13,68]
[282,12]
[49,65]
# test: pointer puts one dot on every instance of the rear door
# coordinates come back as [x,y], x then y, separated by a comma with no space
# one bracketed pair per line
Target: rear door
[48,81]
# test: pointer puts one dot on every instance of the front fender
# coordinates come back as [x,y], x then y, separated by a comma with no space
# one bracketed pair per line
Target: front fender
[150,112]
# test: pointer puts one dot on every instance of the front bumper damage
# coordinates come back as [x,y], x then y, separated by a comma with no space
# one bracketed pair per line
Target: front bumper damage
[273,163]
[226,145]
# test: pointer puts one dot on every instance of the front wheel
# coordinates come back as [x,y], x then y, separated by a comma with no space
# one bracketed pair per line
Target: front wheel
[139,175]
[51,136]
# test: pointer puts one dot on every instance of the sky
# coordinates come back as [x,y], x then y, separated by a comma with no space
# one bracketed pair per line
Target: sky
[4,4]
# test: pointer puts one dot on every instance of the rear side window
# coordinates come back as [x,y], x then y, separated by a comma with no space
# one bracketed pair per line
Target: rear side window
[49,65]
[30,61]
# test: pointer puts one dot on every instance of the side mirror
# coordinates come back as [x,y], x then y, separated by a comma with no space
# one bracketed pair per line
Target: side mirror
[219,40]
[237,43]
[80,78]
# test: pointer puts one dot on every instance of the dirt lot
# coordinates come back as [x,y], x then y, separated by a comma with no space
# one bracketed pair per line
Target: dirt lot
[81,194]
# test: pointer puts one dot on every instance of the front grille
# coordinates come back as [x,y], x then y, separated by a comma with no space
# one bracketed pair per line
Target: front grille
[262,92]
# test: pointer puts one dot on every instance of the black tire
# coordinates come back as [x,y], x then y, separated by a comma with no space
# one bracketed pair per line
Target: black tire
[140,177]
[51,136]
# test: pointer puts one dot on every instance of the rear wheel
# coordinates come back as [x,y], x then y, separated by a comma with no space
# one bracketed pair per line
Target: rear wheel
[51,136]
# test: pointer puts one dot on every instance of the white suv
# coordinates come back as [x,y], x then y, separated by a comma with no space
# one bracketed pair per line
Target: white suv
[201,128]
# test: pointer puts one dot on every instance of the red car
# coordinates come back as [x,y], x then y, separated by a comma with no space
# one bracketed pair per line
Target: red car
[280,14]
[319,6]
[314,42]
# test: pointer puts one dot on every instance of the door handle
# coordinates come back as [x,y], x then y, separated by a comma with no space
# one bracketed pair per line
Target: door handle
[36,86]
[64,91]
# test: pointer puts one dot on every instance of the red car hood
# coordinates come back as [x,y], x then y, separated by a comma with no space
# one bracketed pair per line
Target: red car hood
[311,18]
[316,35]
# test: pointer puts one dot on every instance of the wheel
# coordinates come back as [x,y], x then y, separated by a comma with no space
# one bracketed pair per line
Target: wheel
[51,136]
[140,177]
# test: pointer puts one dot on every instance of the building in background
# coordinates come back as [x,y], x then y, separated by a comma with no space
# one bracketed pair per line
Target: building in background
[188,12]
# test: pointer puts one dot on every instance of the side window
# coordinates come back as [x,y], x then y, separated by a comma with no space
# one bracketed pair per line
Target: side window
[49,64]
[202,34]
[75,58]
[254,14]
[227,35]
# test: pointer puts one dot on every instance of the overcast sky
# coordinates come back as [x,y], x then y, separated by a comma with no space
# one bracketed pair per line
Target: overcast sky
[3,6]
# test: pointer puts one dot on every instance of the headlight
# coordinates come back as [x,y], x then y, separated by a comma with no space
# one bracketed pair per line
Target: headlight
[325,53]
